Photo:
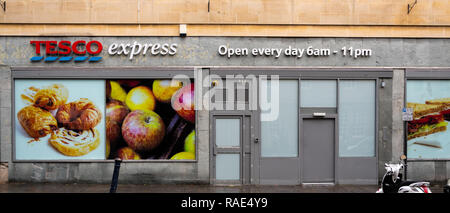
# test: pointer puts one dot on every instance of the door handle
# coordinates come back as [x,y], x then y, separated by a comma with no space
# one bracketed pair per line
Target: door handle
[215,150]
[256,140]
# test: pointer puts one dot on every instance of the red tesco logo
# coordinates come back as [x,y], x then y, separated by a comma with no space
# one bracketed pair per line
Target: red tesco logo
[66,47]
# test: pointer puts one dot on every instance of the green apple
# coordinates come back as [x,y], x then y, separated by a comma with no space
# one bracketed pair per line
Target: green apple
[183,156]
[189,142]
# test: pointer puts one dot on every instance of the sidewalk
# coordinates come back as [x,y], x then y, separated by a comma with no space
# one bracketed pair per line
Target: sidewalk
[185,188]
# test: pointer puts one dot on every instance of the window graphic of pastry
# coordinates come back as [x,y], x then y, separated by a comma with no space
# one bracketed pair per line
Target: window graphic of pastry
[78,135]
[79,115]
[71,126]
[51,97]
[75,143]
[37,122]
[428,119]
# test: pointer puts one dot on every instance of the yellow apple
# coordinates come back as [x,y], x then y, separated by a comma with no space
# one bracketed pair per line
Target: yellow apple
[183,156]
[140,97]
[117,92]
[164,89]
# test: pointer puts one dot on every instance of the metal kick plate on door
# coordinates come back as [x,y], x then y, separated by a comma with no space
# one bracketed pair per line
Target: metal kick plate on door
[319,114]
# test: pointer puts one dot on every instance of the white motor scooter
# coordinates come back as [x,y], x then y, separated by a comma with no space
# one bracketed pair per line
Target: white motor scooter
[392,181]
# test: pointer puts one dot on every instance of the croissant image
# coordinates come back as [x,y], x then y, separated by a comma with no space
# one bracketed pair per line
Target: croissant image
[36,122]
[79,115]
[51,97]
[75,143]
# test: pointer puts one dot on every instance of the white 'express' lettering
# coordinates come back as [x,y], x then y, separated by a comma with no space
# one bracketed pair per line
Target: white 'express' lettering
[136,48]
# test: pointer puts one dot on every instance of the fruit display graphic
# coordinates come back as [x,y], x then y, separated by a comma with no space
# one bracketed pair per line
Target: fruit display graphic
[150,119]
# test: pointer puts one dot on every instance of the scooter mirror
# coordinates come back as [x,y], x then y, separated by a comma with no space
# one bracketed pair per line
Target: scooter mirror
[403,157]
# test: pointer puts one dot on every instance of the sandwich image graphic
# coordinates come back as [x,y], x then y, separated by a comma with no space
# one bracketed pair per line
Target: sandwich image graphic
[444,102]
[427,119]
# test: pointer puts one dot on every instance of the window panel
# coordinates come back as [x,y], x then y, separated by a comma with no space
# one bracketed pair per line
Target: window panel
[279,136]
[356,118]
[318,93]
[228,132]
[227,166]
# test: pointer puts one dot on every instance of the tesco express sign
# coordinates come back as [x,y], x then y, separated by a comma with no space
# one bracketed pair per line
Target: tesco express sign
[80,50]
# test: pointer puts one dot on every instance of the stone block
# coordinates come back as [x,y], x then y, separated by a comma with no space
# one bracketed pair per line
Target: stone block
[421,171]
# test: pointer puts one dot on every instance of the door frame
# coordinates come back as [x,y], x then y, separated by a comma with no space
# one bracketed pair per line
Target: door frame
[244,175]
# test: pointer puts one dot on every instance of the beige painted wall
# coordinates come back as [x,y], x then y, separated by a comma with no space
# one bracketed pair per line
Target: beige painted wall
[296,12]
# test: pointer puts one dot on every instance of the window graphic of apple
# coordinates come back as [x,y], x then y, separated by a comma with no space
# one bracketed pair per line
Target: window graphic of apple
[143,130]
[140,97]
[126,153]
[183,156]
[115,91]
[183,103]
[164,89]
[116,111]
[189,142]
[113,133]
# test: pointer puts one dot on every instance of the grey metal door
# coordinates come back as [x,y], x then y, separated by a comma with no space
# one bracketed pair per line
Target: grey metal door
[318,150]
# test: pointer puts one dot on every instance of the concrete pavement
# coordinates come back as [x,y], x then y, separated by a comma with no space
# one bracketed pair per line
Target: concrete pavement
[187,188]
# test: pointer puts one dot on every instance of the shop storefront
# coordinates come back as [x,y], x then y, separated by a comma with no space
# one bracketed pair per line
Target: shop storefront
[267,110]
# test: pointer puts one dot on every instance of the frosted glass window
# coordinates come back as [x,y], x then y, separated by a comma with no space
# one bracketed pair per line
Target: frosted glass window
[227,166]
[279,132]
[356,118]
[228,132]
[318,93]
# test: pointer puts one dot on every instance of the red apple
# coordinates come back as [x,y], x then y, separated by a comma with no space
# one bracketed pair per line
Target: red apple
[129,83]
[108,89]
[116,111]
[126,153]
[143,130]
[183,103]
[113,133]
[107,149]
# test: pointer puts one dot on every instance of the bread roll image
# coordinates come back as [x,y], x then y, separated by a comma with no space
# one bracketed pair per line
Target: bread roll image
[36,122]
[79,115]
[75,143]
[51,97]
[440,101]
